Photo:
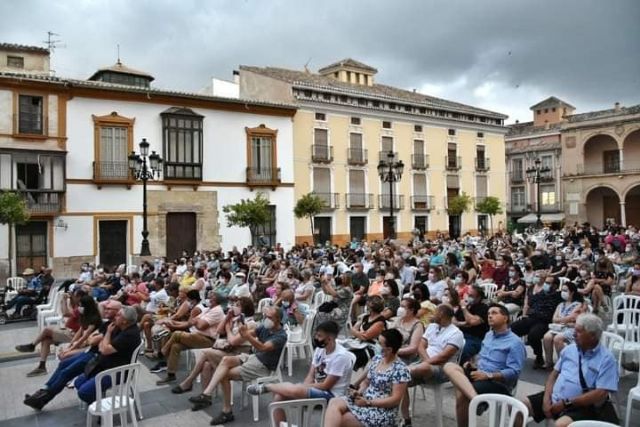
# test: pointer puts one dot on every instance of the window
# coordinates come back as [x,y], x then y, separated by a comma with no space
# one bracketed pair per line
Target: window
[321,117]
[113,141]
[423,110]
[408,108]
[326,96]
[386,125]
[547,162]
[452,132]
[30,114]
[546,110]
[417,128]
[421,222]
[376,104]
[517,171]
[553,109]
[538,112]
[355,121]
[387,144]
[452,153]
[548,195]
[182,138]
[392,106]
[480,135]
[15,61]
[267,230]
[261,153]
[517,197]
[611,161]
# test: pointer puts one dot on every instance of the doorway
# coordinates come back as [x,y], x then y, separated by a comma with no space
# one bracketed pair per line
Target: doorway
[113,243]
[181,234]
[323,229]
[358,227]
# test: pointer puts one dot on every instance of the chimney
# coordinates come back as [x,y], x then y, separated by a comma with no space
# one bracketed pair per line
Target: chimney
[236,76]
[517,122]
[616,106]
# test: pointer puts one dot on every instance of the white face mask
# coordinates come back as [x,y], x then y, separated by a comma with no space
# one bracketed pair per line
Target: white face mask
[81,310]
[401,312]
[432,277]
[268,324]
[583,273]
[469,299]
[564,295]
[237,310]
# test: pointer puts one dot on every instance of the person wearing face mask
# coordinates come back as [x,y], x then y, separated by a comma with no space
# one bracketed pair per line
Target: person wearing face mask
[408,324]
[600,283]
[293,312]
[390,295]
[561,331]
[422,274]
[229,342]
[461,284]
[471,319]
[512,294]
[436,284]
[540,304]
[328,375]
[420,293]
[501,273]
[559,266]
[341,297]
[367,330]
[451,298]
[406,273]
[268,341]
[439,344]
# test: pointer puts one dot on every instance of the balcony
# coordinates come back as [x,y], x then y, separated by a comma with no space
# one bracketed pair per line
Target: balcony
[384,155]
[600,168]
[419,161]
[384,201]
[321,153]
[330,200]
[422,203]
[520,208]
[517,177]
[263,177]
[482,164]
[43,202]
[112,172]
[358,201]
[550,207]
[357,156]
[453,163]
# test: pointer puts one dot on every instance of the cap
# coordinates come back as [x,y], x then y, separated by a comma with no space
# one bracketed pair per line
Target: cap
[28,272]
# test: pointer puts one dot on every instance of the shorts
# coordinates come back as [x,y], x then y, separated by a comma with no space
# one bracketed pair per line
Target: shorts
[437,377]
[314,393]
[60,336]
[606,412]
[489,386]
[251,368]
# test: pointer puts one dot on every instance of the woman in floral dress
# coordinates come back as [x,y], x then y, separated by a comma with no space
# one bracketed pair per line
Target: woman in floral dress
[376,402]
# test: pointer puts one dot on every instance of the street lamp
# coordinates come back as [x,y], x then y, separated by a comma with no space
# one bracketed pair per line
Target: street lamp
[534,175]
[391,171]
[144,166]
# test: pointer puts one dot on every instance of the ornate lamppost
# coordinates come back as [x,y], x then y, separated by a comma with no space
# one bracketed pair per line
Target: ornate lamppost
[391,171]
[535,175]
[144,166]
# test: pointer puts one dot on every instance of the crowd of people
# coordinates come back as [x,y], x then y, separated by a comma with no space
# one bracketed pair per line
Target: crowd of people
[399,314]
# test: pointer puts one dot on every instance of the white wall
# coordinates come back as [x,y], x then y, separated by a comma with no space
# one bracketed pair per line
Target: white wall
[76,240]
[4,241]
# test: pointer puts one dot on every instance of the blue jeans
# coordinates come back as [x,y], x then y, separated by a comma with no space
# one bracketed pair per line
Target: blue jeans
[19,302]
[67,370]
[100,294]
[87,387]
[472,346]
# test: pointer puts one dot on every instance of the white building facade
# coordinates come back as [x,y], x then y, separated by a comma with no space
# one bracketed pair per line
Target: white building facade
[64,145]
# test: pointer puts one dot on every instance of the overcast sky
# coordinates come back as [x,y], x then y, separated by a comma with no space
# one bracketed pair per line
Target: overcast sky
[504,55]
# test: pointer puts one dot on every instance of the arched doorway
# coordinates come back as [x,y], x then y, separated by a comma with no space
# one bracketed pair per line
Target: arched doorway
[601,154]
[631,150]
[632,206]
[602,204]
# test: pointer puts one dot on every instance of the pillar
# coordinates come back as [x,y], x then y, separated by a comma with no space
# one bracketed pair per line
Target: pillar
[621,166]
[623,215]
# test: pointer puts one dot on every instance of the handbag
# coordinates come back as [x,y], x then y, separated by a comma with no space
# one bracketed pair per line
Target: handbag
[606,411]
[327,307]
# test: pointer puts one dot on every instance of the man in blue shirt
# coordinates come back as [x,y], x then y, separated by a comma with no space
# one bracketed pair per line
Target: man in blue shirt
[578,387]
[499,364]
[27,295]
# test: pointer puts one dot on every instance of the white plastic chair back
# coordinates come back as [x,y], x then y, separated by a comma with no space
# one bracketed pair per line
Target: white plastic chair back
[299,413]
[503,410]
[16,283]
[116,399]
[629,328]
[489,290]
[318,299]
[591,423]
[135,393]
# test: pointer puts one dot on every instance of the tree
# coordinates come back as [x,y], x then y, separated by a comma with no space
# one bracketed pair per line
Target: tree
[13,210]
[248,213]
[490,206]
[459,204]
[308,206]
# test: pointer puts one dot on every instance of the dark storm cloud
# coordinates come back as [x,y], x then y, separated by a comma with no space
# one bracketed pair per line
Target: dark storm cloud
[500,54]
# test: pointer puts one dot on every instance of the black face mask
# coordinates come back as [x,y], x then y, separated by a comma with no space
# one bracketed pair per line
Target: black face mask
[319,344]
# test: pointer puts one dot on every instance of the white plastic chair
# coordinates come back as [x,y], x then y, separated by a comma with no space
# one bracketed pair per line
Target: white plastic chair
[49,310]
[132,269]
[503,410]
[592,423]
[438,393]
[628,329]
[116,400]
[622,302]
[634,395]
[274,377]
[299,413]
[489,290]
[319,298]
[135,393]
[14,284]
[303,344]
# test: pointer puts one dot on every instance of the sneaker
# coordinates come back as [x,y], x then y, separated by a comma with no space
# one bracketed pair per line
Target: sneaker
[37,372]
[256,389]
[223,418]
[26,348]
[166,380]
[159,367]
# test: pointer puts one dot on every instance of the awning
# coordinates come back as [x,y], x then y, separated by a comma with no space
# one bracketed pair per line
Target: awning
[533,218]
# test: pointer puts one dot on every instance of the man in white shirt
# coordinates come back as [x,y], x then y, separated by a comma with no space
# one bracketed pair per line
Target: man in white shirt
[440,343]
[328,376]
[157,298]
[240,287]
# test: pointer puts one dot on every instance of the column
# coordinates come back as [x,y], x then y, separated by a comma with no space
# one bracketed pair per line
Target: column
[621,160]
[623,215]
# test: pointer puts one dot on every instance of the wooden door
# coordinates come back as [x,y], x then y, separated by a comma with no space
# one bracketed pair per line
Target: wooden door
[31,246]
[386,227]
[611,209]
[181,234]
[323,229]
[357,227]
[113,243]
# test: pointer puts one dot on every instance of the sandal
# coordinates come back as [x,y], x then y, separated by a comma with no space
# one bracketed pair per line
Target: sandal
[223,418]
[179,390]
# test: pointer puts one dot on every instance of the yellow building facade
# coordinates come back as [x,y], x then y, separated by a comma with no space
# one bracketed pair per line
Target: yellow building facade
[346,123]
